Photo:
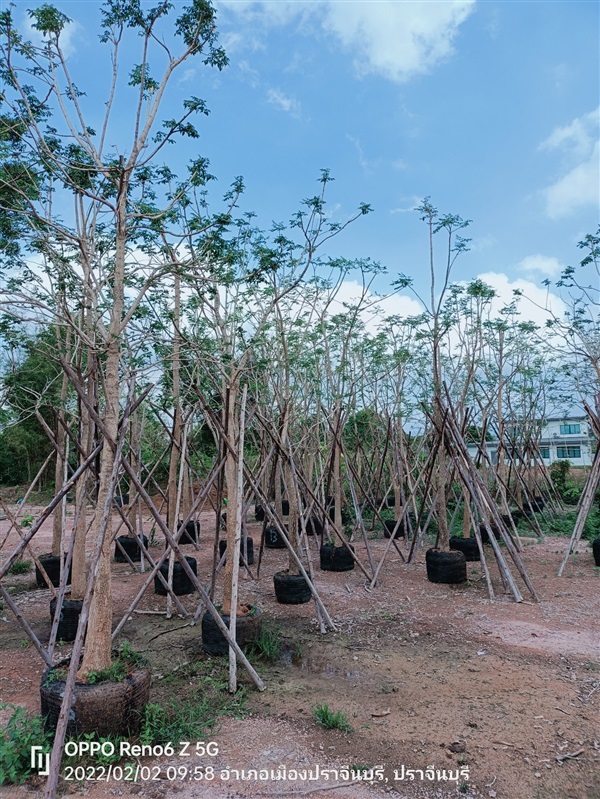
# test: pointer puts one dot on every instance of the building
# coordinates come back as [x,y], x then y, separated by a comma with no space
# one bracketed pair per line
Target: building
[561,439]
[567,439]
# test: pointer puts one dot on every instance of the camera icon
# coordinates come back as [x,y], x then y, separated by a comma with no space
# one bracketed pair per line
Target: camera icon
[40,762]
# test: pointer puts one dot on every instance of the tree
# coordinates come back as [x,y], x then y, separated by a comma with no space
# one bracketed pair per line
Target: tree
[105,254]
[437,323]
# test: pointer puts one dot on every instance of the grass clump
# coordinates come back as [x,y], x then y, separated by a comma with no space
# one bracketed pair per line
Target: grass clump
[190,719]
[20,567]
[268,644]
[331,720]
[23,731]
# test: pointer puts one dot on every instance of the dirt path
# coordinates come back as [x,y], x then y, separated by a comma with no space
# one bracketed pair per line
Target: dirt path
[426,675]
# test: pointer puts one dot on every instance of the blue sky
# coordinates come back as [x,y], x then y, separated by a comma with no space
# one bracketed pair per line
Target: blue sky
[490,108]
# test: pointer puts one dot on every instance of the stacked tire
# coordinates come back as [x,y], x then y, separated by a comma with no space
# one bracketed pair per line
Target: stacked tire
[446,567]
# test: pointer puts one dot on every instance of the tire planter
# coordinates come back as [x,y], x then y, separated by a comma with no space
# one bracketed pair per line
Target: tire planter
[485,536]
[380,502]
[272,538]
[596,551]
[314,526]
[69,618]
[468,546]
[191,533]
[119,500]
[291,589]
[336,559]
[247,631]
[223,547]
[131,546]
[446,567]
[346,519]
[535,505]
[181,582]
[51,564]
[104,708]
[389,526]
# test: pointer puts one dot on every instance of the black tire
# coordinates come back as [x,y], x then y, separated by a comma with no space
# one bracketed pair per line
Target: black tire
[389,526]
[223,547]
[535,505]
[181,582]
[104,708]
[485,536]
[336,559]
[69,618]
[272,538]
[291,589]
[131,546]
[596,551]
[119,500]
[314,526]
[468,546]
[247,631]
[51,564]
[446,567]
[259,513]
[191,534]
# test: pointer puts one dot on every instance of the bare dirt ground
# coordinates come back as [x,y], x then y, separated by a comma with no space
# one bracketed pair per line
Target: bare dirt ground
[426,674]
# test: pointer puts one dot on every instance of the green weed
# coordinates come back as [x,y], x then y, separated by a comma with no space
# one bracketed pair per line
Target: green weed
[20,567]
[268,644]
[331,720]
[192,718]
[23,731]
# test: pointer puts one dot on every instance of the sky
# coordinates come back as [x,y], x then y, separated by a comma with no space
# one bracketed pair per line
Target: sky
[489,108]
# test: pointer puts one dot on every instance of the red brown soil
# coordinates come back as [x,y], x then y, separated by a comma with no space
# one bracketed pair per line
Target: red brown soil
[426,674]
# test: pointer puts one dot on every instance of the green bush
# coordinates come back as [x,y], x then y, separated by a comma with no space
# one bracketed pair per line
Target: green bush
[23,731]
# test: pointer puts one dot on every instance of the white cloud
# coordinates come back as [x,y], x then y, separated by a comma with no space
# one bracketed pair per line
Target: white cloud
[579,136]
[410,204]
[536,304]
[365,164]
[395,39]
[545,265]
[68,37]
[280,100]
[579,145]
[577,189]
[376,307]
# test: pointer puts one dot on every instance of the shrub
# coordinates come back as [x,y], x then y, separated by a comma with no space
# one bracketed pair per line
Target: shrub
[23,731]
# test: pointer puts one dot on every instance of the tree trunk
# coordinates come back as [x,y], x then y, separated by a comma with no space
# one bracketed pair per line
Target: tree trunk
[98,642]
[231,481]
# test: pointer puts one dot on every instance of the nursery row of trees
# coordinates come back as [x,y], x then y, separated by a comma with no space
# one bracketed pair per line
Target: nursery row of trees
[155,346]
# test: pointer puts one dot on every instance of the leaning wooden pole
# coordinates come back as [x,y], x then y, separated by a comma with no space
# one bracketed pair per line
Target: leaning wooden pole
[235,554]
[585,504]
